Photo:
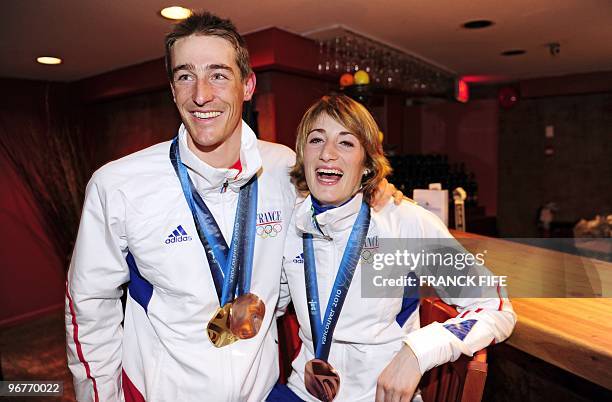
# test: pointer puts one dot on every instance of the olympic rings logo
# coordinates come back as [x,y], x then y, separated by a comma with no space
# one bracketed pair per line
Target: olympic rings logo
[366,256]
[269,230]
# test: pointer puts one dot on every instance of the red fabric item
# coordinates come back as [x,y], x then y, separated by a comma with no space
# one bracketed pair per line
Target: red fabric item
[289,342]
[237,165]
[130,392]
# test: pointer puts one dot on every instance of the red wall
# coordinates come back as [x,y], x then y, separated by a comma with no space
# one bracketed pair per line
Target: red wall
[466,133]
[282,98]
[31,277]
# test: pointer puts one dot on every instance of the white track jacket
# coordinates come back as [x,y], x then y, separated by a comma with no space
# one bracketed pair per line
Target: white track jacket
[161,352]
[370,331]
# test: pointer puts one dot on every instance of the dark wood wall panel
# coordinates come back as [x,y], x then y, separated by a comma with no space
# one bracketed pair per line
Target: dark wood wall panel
[577,177]
[125,125]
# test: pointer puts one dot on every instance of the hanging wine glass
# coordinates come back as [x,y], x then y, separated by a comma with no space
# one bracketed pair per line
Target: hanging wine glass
[405,74]
[366,63]
[321,64]
[328,62]
[358,55]
[337,54]
[348,54]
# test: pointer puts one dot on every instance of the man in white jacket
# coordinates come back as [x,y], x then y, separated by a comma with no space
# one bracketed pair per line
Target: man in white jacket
[138,226]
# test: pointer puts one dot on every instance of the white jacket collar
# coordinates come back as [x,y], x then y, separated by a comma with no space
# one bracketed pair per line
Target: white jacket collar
[207,177]
[330,221]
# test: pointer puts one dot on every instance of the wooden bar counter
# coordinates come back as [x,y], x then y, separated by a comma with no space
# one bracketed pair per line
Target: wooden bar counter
[572,332]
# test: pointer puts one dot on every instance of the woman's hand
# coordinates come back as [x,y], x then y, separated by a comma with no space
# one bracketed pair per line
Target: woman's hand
[383,193]
[399,379]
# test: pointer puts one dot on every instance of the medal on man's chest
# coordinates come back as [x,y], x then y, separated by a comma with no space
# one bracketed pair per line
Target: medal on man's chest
[241,312]
[240,319]
[218,328]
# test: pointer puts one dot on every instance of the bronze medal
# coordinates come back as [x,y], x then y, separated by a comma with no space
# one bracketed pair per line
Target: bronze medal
[322,380]
[219,327]
[246,316]
[240,319]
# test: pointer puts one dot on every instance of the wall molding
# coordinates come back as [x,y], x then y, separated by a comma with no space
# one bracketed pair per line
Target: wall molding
[21,318]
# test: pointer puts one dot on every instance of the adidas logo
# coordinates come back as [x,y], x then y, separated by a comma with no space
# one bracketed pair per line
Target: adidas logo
[178,235]
[299,259]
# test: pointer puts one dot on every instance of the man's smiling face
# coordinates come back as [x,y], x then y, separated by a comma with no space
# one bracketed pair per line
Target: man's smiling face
[208,90]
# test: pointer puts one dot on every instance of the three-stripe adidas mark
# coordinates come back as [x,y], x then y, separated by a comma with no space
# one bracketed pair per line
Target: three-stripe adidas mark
[178,235]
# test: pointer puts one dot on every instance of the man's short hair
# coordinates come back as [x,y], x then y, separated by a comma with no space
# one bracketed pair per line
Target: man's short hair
[207,24]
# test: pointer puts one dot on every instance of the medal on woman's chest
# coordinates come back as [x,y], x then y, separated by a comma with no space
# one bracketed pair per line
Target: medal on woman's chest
[322,380]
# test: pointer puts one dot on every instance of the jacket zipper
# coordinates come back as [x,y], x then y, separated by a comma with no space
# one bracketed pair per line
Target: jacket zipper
[316,224]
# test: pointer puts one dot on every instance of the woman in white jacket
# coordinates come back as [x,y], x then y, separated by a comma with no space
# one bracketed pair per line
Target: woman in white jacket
[356,348]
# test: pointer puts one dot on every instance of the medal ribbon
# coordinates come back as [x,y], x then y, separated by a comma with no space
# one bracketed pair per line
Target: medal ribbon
[226,266]
[322,331]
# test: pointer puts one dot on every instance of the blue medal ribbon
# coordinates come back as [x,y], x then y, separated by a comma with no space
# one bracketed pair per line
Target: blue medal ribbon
[244,286]
[231,266]
[322,331]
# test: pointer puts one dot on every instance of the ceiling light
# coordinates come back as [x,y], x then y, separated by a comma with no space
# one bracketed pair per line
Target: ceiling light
[477,24]
[175,13]
[513,52]
[48,60]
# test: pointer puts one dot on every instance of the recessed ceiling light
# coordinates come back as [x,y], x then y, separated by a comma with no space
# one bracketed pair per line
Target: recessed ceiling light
[513,52]
[48,60]
[175,13]
[477,24]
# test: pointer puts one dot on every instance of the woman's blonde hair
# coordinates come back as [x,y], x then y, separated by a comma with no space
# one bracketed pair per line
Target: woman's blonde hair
[359,122]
